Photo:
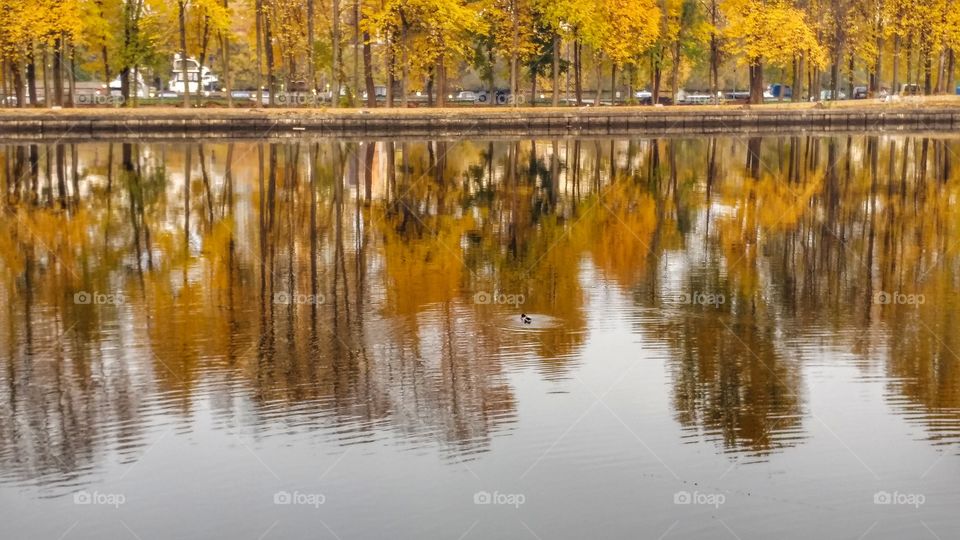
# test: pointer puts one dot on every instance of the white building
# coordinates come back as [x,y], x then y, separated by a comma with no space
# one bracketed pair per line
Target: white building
[194,74]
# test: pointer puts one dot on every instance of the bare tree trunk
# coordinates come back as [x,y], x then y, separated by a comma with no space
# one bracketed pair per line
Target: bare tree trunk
[32,78]
[391,69]
[896,65]
[613,83]
[556,69]
[368,71]
[514,52]
[577,70]
[951,72]
[18,85]
[268,49]
[876,82]
[599,60]
[72,79]
[756,81]
[404,79]
[182,16]
[356,53]
[311,50]
[259,29]
[715,50]
[337,60]
[441,82]
[225,55]
[203,56]
[57,72]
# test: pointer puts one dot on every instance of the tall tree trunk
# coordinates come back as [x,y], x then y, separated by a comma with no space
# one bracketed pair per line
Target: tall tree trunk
[896,65]
[514,52]
[441,81]
[182,17]
[311,50]
[31,78]
[656,73]
[675,71]
[356,53]
[556,70]
[18,84]
[391,68]
[578,70]
[613,83]
[57,73]
[268,49]
[204,40]
[850,67]
[941,74]
[797,78]
[596,102]
[259,29]
[368,71]
[337,60]
[225,56]
[951,72]
[876,82]
[714,51]
[405,75]
[46,76]
[756,81]
[72,79]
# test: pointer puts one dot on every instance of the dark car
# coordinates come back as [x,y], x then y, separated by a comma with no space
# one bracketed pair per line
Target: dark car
[860,92]
[664,100]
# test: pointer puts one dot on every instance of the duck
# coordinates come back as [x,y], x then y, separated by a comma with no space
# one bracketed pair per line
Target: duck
[525,319]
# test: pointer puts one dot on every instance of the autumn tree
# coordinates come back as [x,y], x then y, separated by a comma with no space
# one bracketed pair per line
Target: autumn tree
[772,33]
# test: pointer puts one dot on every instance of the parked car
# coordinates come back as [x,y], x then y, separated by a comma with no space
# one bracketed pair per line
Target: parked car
[645,97]
[776,89]
[499,97]
[911,90]
[860,92]
[697,99]
[827,95]
[737,96]
[466,95]
[378,92]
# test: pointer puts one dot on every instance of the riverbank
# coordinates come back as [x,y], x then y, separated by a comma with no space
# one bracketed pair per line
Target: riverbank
[916,114]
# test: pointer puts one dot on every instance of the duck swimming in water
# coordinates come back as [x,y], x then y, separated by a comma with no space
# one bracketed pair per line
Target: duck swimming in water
[525,319]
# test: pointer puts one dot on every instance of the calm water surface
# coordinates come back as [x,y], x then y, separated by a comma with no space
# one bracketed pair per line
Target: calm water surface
[730,338]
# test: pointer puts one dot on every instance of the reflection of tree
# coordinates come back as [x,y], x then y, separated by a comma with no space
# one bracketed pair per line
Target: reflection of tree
[395,238]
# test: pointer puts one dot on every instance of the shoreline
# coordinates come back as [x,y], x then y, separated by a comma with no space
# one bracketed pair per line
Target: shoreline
[931,115]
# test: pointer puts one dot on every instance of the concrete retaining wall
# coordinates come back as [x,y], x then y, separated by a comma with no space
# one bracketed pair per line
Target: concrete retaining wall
[173,124]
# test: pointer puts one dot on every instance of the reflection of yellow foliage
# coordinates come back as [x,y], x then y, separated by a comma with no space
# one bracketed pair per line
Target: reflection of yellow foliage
[622,230]
[421,271]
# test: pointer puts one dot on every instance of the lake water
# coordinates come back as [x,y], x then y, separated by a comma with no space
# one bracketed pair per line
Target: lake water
[728,338]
